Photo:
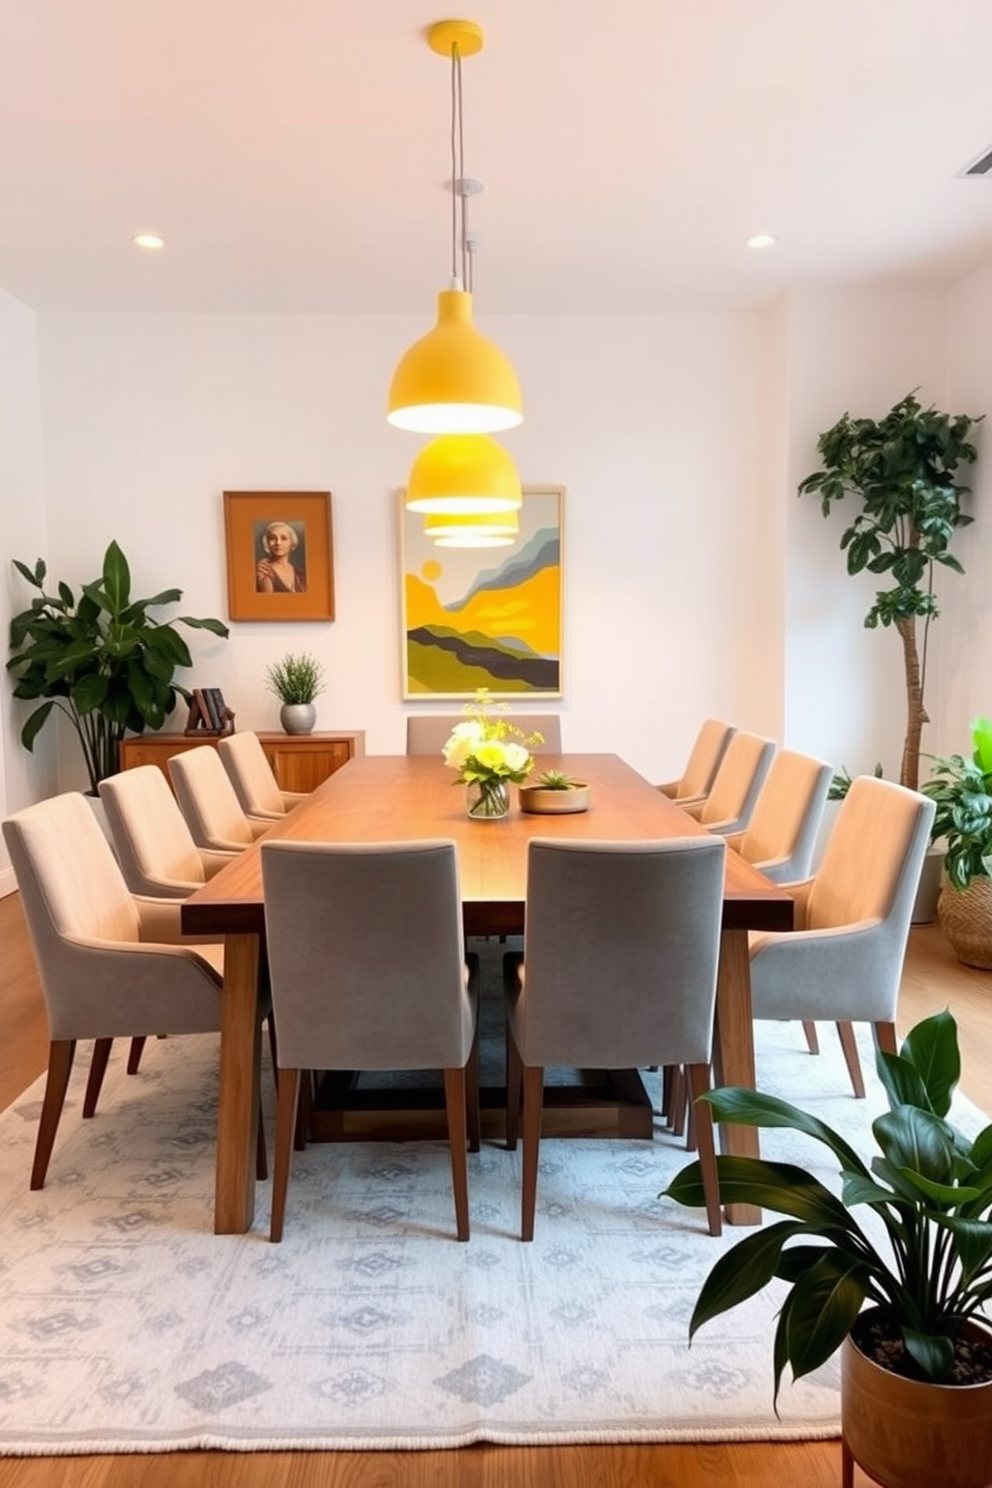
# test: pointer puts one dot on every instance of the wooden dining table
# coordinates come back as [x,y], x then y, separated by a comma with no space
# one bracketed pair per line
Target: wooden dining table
[385,798]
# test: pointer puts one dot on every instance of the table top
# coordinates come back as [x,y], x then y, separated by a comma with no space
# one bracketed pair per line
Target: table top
[388,798]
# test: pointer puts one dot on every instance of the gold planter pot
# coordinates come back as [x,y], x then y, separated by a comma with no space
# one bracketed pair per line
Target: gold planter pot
[909,1434]
[539,799]
[965,917]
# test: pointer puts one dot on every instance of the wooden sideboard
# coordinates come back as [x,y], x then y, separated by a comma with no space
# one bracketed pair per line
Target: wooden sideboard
[300,761]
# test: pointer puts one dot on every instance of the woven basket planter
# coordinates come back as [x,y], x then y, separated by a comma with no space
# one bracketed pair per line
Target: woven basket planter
[965,917]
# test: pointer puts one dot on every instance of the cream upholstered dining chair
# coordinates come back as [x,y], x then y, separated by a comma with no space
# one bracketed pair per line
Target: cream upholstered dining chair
[844,959]
[738,780]
[253,778]
[427,733]
[781,834]
[208,801]
[619,969]
[154,845]
[368,973]
[110,963]
[697,778]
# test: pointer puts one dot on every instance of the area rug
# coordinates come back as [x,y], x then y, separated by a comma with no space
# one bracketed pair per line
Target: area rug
[128,1326]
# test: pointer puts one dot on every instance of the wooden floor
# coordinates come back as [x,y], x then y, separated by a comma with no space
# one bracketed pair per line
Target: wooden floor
[933,980]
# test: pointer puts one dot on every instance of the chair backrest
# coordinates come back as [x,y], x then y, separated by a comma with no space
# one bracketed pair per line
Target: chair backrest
[704,758]
[620,952]
[740,776]
[366,954]
[873,857]
[427,733]
[206,797]
[154,845]
[72,889]
[250,773]
[781,834]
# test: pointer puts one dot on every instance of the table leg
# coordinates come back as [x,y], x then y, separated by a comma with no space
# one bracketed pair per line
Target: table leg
[733,1053]
[237,1111]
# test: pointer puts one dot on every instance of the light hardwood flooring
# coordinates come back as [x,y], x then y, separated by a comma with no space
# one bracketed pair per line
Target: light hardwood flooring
[933,979]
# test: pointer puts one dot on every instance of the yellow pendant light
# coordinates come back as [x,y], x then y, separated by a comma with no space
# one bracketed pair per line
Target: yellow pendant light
[454,380]
[463,474]
[485,530]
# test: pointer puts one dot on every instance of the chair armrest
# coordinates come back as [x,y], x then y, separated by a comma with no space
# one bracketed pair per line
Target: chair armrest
[692,806]
[847,973]
[734,840]
[213,860]
[294,798]
[669,788]
[260,825]
[159,923]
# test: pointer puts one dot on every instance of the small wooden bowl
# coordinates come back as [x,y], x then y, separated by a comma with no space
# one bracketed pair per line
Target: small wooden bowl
[538,799]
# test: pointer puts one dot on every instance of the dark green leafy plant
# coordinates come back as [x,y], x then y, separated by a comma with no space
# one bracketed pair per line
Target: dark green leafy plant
[902,468]
[962,790]
[930,1186]
[841,783]
[557,780]
[102,660]
[296,679]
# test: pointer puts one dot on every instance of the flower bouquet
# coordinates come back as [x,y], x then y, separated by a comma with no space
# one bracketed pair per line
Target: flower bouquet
[488,753]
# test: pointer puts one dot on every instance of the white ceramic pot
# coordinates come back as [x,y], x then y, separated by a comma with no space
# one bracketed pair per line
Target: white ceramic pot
[298,718]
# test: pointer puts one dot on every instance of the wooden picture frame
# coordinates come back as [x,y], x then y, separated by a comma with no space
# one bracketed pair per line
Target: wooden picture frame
[275,574]
[484,617]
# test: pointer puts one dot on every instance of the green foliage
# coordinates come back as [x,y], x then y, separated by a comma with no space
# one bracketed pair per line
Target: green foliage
[556,780]
[962,790]
[296,679]
[102,660]
[930,1186]
[902,469]
[841,783]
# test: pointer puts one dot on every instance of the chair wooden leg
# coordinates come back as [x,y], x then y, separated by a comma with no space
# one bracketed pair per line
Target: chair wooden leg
[304,1107]
[514,1076]
[60,1053]
[261,1156]
[473,1116]
[98,1068]
[885,1037]
[850,1047]
[812,1042]
[134,1054]
[533,1101]
[289,1090]
[270,1023]
[678,1099]
[455,1086]
[698,1076]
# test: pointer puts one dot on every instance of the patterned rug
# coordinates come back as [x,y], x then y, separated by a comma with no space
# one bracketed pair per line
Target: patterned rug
[128,1326]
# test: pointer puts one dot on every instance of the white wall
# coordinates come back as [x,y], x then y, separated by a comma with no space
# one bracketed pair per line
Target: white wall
[23,777]
[654,426]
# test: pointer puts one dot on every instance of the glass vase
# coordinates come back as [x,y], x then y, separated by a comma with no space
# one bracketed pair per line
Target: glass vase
[487,800]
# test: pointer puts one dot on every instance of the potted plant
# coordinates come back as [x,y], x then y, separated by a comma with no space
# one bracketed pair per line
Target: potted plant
[901,467]
[554,793]
[296,680]
[101,660]
[962,790]
[916,1396]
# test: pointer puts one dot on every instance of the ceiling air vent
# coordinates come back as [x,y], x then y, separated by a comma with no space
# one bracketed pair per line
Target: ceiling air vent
[980,167]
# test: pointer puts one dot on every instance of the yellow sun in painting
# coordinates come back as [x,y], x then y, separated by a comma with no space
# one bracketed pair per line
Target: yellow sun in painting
[430,569]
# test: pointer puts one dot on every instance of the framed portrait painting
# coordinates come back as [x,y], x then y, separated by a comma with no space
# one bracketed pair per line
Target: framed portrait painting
[280,558]
[484,617]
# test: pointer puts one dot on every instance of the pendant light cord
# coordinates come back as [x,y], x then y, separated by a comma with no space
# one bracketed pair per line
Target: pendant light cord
[460,257]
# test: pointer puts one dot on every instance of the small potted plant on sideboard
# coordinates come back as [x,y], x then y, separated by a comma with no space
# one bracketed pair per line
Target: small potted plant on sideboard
[296,680]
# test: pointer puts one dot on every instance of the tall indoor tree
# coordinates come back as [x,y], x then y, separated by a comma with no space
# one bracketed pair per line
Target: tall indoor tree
[902,469]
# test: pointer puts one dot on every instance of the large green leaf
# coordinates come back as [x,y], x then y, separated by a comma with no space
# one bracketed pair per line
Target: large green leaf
[752,1108]
[217,627]
[90,692]
[742,1272]
[33,723]
[116,579]
[825,1303]
[787,1189]
[915,1139]
[932,1049]
[903,1082]
[972,1242]
[933,1353]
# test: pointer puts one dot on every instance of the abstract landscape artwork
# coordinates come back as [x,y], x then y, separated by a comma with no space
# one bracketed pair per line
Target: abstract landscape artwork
[489,617]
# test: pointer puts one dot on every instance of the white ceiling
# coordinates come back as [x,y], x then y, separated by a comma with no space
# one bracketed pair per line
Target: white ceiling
[294,153]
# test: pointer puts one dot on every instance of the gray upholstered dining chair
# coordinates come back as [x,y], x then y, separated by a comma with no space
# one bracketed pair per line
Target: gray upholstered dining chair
[110,963]
[696,780]
[154,845]
[427,733]
[208,801]
[728,806]
[843,961]
[781,834]
[618,970]
[253,778]
[368,973]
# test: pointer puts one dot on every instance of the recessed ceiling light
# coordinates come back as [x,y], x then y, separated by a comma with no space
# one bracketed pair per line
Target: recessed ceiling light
[762,240]
[148,240]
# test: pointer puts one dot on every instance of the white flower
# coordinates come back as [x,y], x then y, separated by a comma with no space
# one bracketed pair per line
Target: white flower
[464,741]
[516,756]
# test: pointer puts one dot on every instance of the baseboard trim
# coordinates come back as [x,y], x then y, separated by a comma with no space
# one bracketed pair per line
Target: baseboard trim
[8,883]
